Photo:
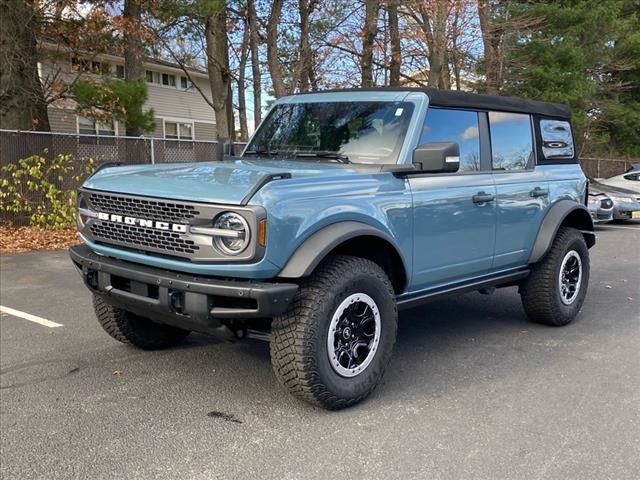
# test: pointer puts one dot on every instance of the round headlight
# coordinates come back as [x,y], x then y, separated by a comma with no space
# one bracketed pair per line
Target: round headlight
[234,235]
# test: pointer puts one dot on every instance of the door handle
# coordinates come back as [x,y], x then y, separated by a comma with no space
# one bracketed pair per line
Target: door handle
[539,192]
[482,197]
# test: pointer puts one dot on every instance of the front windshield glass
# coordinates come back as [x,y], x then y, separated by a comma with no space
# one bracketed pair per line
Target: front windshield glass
[360,132]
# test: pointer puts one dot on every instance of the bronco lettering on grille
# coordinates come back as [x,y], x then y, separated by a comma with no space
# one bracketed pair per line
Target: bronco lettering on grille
[141,222]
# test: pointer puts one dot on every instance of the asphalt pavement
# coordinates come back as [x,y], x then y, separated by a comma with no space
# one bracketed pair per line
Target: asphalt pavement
[473,391]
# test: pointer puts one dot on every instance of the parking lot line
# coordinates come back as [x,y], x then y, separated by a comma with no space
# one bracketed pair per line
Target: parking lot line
[28,316]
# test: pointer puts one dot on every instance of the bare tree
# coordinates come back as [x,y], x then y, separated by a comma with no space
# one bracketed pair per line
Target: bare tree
[218,66]
[22,100]
[492,41]
[394,34]
[273,61]
[242,84]
[254,42]
[369,31]
[133,51]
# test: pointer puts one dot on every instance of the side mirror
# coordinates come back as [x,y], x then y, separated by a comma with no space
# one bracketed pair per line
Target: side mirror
[437,157]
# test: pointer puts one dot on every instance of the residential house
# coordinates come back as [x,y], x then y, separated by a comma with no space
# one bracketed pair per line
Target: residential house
[179,109]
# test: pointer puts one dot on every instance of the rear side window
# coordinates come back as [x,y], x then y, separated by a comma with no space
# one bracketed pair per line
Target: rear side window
[511,141]
[459,126]
[557,141]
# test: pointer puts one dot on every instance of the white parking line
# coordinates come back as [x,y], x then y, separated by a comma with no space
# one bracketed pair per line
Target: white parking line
[28,316]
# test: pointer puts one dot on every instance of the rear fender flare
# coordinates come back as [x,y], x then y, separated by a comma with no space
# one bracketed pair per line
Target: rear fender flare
[554,219]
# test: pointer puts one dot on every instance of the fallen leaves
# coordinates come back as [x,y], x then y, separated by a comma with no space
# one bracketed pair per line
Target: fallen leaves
[117,373]
[24,239]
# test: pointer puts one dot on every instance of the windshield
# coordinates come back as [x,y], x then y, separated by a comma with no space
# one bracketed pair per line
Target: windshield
[360,132]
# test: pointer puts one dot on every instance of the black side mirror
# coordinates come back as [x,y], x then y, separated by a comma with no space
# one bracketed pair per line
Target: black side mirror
[437,157]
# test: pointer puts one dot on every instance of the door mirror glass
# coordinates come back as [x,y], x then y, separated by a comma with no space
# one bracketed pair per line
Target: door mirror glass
[437,157]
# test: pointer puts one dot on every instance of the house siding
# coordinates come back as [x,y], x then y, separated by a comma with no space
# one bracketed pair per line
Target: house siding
[62,120]
[167,102]
[205,131]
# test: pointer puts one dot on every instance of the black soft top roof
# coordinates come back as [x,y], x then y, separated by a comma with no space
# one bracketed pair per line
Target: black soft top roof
[458,99]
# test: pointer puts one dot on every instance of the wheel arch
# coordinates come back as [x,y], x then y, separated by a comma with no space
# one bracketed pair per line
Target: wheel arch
[565,213]
[349,238]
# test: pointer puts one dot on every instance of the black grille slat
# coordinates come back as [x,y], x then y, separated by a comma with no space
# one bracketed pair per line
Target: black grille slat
[144,208]
[143,237]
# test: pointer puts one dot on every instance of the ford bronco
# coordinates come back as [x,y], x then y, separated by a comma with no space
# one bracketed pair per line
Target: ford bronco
[344,207]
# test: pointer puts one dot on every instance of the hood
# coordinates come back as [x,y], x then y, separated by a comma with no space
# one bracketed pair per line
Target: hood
[226,182]
[598,187]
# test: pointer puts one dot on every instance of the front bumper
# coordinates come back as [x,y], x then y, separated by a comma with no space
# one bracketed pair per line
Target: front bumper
[195,303]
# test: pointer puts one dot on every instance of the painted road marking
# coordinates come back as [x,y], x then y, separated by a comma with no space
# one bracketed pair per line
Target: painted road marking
[28,316]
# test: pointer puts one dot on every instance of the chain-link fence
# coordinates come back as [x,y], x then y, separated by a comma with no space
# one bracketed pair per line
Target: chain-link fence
[131,150]
[81,150]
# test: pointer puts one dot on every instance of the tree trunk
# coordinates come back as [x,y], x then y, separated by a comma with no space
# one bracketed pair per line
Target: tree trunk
[22,102]
[396,54]
[133,52]
[369,31]
[275,69]
[218,66]
[254,41]
[490,43]
[304,68]
[242,105]
[438,47]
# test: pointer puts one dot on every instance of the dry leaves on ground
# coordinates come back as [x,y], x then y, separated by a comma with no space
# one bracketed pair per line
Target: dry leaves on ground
[24,239]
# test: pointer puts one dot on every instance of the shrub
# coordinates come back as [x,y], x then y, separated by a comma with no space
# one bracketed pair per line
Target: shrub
[42,190]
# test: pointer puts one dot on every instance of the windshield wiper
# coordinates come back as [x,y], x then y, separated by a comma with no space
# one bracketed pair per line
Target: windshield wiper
[331,155]
[261,151]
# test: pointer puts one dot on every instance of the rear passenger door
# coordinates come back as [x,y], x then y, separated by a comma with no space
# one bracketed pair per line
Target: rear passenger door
[454,232]
[522,190]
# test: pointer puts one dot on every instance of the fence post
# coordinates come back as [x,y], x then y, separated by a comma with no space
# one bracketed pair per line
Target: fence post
[153,155]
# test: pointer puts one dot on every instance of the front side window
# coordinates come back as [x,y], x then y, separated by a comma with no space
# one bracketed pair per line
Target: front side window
[511,141]
[362,132]
[458,126]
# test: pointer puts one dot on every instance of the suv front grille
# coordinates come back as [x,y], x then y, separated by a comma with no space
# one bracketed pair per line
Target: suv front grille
[143,237]
[145,208]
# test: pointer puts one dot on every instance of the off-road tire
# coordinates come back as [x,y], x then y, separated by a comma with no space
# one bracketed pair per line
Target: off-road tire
[131,329]
[299,351]
[540,291]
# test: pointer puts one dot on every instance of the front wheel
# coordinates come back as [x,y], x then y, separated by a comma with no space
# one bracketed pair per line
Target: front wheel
[129,328]
[555,291]
[332,345]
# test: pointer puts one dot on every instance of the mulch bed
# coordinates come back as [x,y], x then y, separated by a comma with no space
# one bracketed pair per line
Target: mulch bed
[24,239]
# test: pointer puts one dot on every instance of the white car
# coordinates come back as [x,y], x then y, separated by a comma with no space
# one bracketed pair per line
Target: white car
[626,203]
[629,180]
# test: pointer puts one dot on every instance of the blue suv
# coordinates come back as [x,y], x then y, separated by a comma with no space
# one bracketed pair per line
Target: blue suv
[344,207]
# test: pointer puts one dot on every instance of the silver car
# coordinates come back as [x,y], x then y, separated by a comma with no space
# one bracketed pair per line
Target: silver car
[600,207]
[626,203]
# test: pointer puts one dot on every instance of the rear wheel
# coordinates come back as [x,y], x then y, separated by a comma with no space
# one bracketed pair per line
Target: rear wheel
[137,331]
[332,345]
[555,291]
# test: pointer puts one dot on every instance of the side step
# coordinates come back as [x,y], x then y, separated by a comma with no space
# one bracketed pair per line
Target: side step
[484,284]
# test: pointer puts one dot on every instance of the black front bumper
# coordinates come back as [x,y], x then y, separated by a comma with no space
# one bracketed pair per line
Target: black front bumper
[196,303]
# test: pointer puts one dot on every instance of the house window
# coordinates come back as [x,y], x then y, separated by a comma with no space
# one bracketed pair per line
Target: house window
[185,83]
[511,141]
[178,130]
[149,75]
[186,131]
[169,80]
[120,71]
[89,126]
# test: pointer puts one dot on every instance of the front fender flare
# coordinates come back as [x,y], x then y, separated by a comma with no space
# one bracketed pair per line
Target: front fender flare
[315,248]
[554,218]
